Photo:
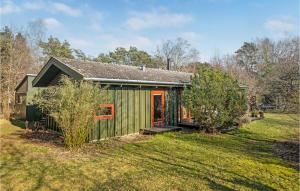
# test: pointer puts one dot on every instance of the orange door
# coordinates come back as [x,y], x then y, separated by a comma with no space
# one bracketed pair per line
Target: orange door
[157,108]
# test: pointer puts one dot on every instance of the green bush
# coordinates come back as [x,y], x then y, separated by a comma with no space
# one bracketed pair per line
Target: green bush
[72,105]
[254,113]
[215,99]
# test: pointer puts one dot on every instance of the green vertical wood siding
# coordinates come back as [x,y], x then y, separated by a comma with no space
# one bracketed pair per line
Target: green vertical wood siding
[124,118]
[132,112]
[171,106]
[118,112]
[136,102]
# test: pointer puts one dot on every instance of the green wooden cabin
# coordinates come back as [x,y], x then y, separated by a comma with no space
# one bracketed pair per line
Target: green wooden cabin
[24,92]
[137,97]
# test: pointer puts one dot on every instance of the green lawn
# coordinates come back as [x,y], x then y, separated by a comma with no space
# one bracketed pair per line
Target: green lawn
[240,160]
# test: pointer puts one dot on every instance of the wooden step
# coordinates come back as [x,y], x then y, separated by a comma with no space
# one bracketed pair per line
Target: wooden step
[157,130]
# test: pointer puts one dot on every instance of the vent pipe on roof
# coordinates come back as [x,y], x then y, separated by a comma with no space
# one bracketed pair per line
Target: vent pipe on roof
[168,63]
[143,68]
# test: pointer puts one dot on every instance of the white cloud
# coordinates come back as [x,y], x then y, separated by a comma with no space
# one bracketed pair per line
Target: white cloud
[96,26]
[110,42]
[8,7]
[95,21]
[142,42]
[190,36]
[194,38]
[33,5]
[157,19]
[220,1]
[51,23]
[281,25]
[60,7]
[80,43]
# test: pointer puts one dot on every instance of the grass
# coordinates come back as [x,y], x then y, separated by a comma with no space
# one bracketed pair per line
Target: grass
[7,128]
[240,160]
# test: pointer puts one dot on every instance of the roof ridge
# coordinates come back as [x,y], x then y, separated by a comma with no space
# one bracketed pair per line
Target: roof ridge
[122,65]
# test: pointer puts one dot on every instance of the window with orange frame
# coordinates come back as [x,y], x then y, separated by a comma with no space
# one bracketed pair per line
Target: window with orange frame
[105,111]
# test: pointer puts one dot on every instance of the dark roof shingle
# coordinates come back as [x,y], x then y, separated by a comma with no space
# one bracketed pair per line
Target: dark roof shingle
[91,69]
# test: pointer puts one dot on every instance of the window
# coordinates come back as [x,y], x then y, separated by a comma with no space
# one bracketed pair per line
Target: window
[186,115]
[20,99]
[105,111]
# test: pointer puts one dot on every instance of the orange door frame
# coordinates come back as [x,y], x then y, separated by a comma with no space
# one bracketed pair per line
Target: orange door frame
[162,93]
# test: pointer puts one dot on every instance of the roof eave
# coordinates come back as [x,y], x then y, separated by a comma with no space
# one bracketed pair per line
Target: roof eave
[107,80]
[24,79]
[62,66]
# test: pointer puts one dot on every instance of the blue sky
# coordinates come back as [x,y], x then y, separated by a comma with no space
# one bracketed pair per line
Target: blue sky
[211,26]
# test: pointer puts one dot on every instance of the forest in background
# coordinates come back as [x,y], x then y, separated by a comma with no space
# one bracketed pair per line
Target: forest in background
[269,68]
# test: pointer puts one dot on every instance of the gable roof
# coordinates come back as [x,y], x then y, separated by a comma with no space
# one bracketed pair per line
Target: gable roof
[23,80]
[103,72]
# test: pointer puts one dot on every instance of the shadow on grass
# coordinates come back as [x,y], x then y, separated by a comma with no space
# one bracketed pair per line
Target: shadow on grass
[150,165]
[239,181]
[18,123]
[43,137]
[160,163]
[156,158]
[279,122]
[243,143]
[288,151]
[245,134]
[21,170]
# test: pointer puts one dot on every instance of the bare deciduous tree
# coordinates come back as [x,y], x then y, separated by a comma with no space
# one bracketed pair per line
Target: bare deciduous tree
[16,60]
[179,52]
[270,69]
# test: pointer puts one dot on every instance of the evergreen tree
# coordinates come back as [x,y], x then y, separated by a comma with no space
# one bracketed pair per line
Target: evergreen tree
[247,57]
[56,48]
[133,57]
[215,99]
